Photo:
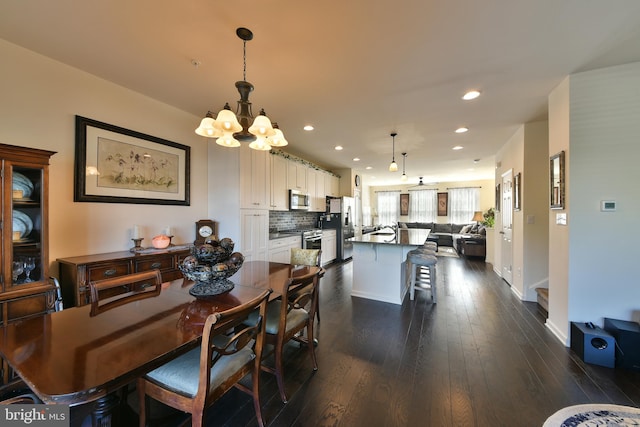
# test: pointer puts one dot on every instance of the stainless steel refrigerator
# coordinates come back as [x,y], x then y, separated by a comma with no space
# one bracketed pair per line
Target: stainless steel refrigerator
[341,215]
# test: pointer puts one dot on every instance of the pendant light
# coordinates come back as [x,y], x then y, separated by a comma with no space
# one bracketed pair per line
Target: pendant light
[403,178]
[393,167]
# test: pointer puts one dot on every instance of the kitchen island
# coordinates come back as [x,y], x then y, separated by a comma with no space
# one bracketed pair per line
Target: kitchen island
[379,263]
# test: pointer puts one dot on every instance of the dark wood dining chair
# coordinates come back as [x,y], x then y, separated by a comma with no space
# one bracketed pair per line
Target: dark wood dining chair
[193,381]
[113,292]
[287,318]
[309,257]
[18,393]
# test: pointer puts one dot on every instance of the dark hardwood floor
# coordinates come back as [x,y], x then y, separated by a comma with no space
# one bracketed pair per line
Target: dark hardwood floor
[479,357]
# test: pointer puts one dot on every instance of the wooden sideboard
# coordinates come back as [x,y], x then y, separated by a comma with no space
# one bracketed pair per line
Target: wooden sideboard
[77,272]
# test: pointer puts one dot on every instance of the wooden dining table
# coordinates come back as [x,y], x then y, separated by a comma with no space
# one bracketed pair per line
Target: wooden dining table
[70,357]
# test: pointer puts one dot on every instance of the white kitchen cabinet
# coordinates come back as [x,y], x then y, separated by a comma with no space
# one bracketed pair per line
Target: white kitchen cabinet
[316,189]
[255,234]
[280,249]
[329,246]
[279,187]
[255,182]
[321,194]
[297,176]
[332,185]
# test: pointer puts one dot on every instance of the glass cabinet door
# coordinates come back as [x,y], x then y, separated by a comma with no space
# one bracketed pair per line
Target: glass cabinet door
[27,225]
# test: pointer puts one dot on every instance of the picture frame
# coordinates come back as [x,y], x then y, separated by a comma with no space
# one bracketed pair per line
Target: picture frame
[556,181]
[118,165]
[404,204]
[443,204]
[498,197]
[517,198]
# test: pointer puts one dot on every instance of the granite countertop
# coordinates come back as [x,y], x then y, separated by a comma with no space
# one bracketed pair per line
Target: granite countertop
[282,234]
[386,236]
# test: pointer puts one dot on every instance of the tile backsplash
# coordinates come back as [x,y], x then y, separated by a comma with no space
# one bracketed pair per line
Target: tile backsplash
[290,220]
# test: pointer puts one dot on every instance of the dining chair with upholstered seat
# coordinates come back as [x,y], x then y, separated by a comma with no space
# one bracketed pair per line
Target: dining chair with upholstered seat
[18,393]
[286,318]
[194,380]
[116,291]
[308,257]
[113,292]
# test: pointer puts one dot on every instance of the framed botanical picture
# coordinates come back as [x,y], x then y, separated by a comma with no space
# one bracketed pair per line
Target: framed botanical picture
[404,204]
[443,204]
[118,165]
[517,192]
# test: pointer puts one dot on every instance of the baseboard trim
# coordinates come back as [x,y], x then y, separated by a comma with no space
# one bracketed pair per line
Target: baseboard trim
[557,332]
[517,293]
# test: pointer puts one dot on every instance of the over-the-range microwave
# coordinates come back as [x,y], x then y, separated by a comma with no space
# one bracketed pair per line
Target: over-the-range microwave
[299,201]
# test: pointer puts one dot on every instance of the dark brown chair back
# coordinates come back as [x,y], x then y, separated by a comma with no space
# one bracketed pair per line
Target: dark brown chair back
[299,293]
[107,294]
[217,343]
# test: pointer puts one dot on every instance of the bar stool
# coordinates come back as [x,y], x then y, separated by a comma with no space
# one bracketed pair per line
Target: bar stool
[423,272]
[429,248]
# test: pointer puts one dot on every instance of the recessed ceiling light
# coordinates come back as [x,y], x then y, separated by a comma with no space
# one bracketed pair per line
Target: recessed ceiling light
[308,128]
[368,168]
[458,147]
[462,130]
[338,147]
[356,159]
[472,94]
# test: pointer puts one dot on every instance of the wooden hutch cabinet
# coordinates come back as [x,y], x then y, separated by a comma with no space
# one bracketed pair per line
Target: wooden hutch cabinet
[26,289]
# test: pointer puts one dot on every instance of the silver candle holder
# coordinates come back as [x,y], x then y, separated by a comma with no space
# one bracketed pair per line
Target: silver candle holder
[137,245]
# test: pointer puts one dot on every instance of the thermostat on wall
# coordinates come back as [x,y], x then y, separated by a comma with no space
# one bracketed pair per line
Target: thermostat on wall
[607,205]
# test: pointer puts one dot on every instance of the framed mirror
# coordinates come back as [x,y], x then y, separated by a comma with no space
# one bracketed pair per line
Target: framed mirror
[517,187]
[556,172]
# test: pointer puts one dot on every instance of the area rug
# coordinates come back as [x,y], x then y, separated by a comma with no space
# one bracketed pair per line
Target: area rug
[595,415]
[447,251]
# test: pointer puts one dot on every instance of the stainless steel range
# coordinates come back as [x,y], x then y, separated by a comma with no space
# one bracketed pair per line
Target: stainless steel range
[312,239]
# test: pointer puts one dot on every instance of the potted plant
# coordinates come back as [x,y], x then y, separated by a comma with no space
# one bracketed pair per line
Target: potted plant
[489,218]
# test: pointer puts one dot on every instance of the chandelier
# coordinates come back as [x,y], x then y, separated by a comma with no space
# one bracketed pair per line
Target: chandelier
[229,128]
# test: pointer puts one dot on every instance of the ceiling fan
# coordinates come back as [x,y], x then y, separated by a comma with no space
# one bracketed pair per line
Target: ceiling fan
[420,183]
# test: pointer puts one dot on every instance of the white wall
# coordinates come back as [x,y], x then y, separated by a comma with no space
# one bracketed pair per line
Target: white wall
[38,103]
[559,137]
[535,205]
[605,107]
[595,116]
[526,153]
[510,158]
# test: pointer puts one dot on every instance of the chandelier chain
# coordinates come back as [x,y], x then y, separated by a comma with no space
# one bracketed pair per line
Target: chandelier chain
[244,60]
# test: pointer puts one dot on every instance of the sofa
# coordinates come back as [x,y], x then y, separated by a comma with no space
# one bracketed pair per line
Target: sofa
[450,234]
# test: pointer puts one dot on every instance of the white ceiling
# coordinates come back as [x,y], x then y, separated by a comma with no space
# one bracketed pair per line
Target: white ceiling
[357,70]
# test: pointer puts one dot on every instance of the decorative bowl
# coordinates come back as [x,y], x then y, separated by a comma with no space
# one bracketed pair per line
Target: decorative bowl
[208,273]
[161,241]
[210,265]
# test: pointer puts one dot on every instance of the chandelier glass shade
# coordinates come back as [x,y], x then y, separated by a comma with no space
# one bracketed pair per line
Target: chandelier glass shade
[393,167]
[229,128]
